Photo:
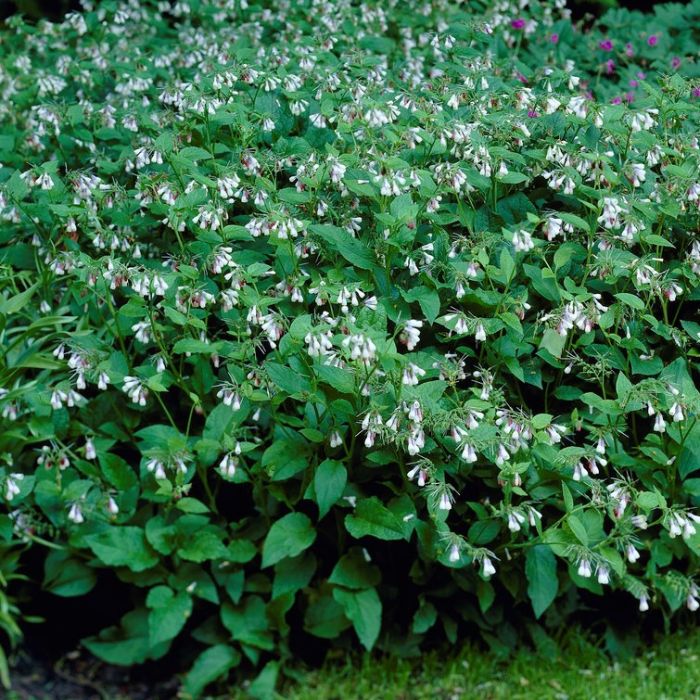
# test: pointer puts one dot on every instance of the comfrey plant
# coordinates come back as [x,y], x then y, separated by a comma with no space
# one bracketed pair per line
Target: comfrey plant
[319,332]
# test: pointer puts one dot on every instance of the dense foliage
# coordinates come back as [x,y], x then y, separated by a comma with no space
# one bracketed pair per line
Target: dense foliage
[341,321]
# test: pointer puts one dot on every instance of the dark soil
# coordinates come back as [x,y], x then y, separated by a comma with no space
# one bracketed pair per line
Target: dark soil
[80,676]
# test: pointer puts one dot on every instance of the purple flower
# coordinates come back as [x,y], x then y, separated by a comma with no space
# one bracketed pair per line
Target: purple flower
[675,63]
[634,83]
[517,23]
[696,92]
[641,75]
[652,40]
[610,66]
[554,38]
[606,45]
[629,97]
[616,100]
[629,50]
[532,114]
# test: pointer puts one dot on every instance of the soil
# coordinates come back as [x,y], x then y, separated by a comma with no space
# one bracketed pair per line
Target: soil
[80,676]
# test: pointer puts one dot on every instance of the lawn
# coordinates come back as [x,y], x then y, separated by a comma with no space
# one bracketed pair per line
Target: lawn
[669,669]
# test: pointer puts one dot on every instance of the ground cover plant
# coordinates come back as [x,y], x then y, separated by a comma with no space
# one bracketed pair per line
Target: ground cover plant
[326,321]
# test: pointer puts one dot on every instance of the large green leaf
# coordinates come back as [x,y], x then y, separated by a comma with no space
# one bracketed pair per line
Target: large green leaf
[123,546]
[212,663]
[288,536]
[372,518]
[329,483]
[64,575]
[364,609]
[168,613]
[541,573]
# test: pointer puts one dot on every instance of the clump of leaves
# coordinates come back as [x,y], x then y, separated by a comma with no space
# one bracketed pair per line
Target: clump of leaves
[346,322]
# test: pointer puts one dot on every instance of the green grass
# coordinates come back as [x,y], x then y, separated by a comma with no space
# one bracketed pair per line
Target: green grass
[668,670]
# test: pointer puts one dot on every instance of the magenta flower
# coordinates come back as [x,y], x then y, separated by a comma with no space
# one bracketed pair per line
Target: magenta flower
[696,92]
[554,38]
[634,83]
[675,63]
[517,23]
[629,97]
[652,40]
[629,50]
[616,100]
[610,66]
[606,45]
[532,114]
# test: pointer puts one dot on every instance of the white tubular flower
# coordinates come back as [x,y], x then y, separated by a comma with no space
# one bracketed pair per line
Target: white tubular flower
[90,452]
[75,514]
[469,453]
[11,485]
[228,465]
[584,569]
[515,521]
[445,502]
[487,568]
[156,467]
[632,553]
[411,333]
[411,374]
[579,471]
[135,390]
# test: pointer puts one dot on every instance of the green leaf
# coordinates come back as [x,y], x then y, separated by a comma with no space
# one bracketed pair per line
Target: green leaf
[13,304]
[191,505]
[329,483]
[125,644]
[293,574]
[203,545]
[568,498]
[213,663]
[288,536]
[67,576]
[631,300]
[354,571]
[563,254]
[168,615]
[287,379]
[123,546]
[325,618]
[541,573]
[340,379]
[425,618]
[553,342]
[578,528]
[428,300]
[263,686]
[248,623]
[352,249]
[364,609]
[512,178]
[574,220]
[372,518]
[507,264]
